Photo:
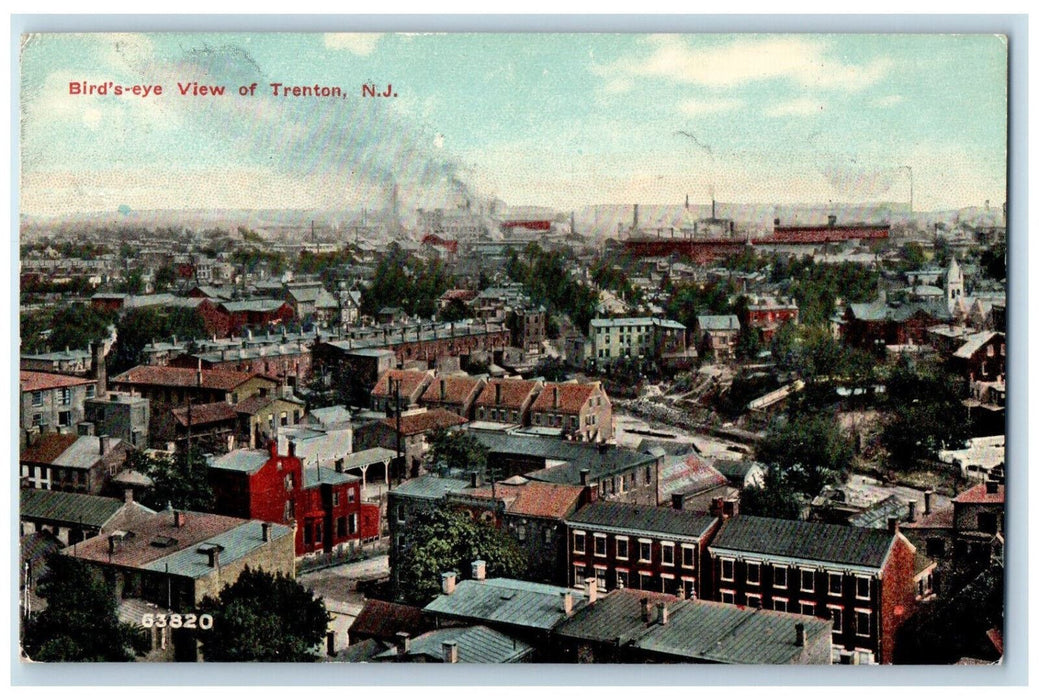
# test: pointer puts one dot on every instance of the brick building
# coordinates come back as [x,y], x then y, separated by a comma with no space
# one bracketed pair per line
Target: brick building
[717,335]
[409,433]
[506,401]
[455,393]
[324,505]
[52,402]
[405,385]
[581,411]
[874,325]
[83,464]
[861,579]
[643,338]
[768,313]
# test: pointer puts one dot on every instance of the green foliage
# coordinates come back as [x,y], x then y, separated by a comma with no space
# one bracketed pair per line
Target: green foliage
[333,384]
[925,413]
[817,286]
[251,259]
[132,283]
[807,452]
[545,275]
[913,254]
[994,261]
[406,282]
[443,539]
[178,480]
[775,498]
[248,235]
[138,327]
[688,301]
[73,326]
[455,451]
[262,617]
[455,310]
[80,622]
[165,278]
[552,369]
[750,343]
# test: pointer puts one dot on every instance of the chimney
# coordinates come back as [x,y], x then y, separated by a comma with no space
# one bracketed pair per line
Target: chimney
[330,642]
[450,652]
[731,507]
[128,496]
[104,443]
[497,393]
[474,479]
[100,370]
[112,540]
[912,512]
[591,587]
[568,602]
[214,558]
[644,607]
[718,507]
[447,582]
[584,476]
[775,222]
[292,448]
[178,518]
[662,614]
[443,389]
[927,501]
[676,501]
[479,570]
[831,220]
[403,643]
[892,525]
[555,397]
[799,629]
[266,532]
[991,487]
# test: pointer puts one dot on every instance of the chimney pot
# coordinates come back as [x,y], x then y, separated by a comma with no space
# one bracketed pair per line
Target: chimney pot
[447,582]
[127,495]
[330,642]
[584,476]
[799,628]
[912,512]
[450,652]
[178,518]
[568,602]
[676,501]
[214,558]
[991,486]
[103,442]
[644,607]
[266,532]
[403,643]
[928,494]
[479,570]
[591,589]
[662,613]
[892,525]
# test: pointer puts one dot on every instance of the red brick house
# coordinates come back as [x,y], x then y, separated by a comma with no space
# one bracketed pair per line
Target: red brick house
[651,548]
[506,401]
[583,411]
[452,393]
[983,357]
[877,324]
[324,504]
[769,313]
[409,384]
[862,579]
[233,317]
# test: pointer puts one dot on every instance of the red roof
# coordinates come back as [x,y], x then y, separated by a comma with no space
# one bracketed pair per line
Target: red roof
[513,393]
[455,390]
[460,294]
[381,620]
[206,413]
[980,494]
[537,499]
[37,381]
[416,423]
[48,449]
[571,397]
[182,377]
[410,381]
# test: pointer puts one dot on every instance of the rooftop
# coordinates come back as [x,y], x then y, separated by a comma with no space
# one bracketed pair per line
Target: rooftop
[727,322]
[182,377]
[536,499]
[644,519]
[475,645]
[415,423]
[598,460]
[506,601]
[450,389]
[65,507]
[205,413]
[38,381]
[566,398]
[431,487]
[981,494]
[513,393]
[242,460]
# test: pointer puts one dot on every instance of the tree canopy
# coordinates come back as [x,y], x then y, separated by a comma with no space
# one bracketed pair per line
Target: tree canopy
[444,539]
[263,617]
[80,622]
[806,452]
[455,451]
[138,327]
[178,480]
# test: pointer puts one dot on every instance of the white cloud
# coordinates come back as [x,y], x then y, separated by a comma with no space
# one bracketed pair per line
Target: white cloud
[806,62]
[360,44]
[798,107]
[695,108]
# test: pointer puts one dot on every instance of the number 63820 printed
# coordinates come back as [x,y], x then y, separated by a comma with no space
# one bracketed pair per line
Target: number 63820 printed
[175,621]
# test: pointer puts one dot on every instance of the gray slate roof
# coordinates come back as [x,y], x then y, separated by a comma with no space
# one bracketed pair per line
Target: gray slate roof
[506,601]
[476,645]
[248,461]
[727,322]
[795,539]
[579,456]
[880,310]
[236,543]
[84,453]
[431,487]
[65,507]
[647,519]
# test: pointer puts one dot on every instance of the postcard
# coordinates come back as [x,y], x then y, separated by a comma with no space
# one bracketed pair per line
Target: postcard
[496,348]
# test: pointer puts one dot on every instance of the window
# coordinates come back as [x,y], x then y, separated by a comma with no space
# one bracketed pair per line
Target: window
[836,614]
[645,550]
[290,510]
[521,533]
[689,588]
[341,527]
[645,581]
[306,534]
[335,498]
[578,543]
[317,532]
[600,545]
[548,535]
[729,597]
[622,547]
[753,573]
[935,546]
[284,418]
[807,580]
[808,608]
[779,604]
[779,576]
[37,419]
[353,523]
[600,578]
[667,554]
[862,623]
[688,556]
[351,495]
[649,474]
[66,396]
[753,600]
[65,418]
[400,513]
[37,398]
[862,587]
[622,579]
[91,391]
[728,570]
[986,522]
[289,483]
[836,582]
[580,573]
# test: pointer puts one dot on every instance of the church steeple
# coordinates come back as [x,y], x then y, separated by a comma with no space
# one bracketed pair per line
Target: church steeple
[953,284]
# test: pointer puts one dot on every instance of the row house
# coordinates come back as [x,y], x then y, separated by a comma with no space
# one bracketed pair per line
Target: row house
[580,411]
[650,548]
[229,318]
[454,393]
[506,401]
[643,338]
[768,313]
[717,335]
[52,402]
[74,517]
[407,434]
[288,361]
[83,464]
[861,579]
[399,389]
[74,362]
[873,326]
[324,505]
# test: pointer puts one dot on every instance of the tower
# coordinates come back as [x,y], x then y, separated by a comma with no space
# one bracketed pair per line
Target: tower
[953,284]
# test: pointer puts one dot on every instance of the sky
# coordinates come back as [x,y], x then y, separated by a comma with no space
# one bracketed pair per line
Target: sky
[559,120]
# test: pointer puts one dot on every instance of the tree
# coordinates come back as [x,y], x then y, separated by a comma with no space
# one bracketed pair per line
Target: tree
[455,310]
[454,451]
[773,499]
[443,539]
[80,622]
[138,327]
[807,452]
[77,326]
[179,480]
[913,253]
[263,617]
[994,261]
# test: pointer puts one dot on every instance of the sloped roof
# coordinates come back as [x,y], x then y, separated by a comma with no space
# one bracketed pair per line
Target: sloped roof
[513,393]
[475,645]
[615,617]
[48,448]
[254,305]
[429,486]
[727,322]
[880,310]
[248,461]
[182,377]
[382,620]
[415,423]
[980,494]
[410,381]
[456,389]
[244,537]
[645,519]
[819,542]
[67,507]
[38,381]
[536,499]
[974,342]
[690,475]
[571,397]
[203,414]
[506,601]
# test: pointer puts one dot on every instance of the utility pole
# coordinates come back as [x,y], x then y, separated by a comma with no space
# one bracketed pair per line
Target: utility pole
[400,452]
